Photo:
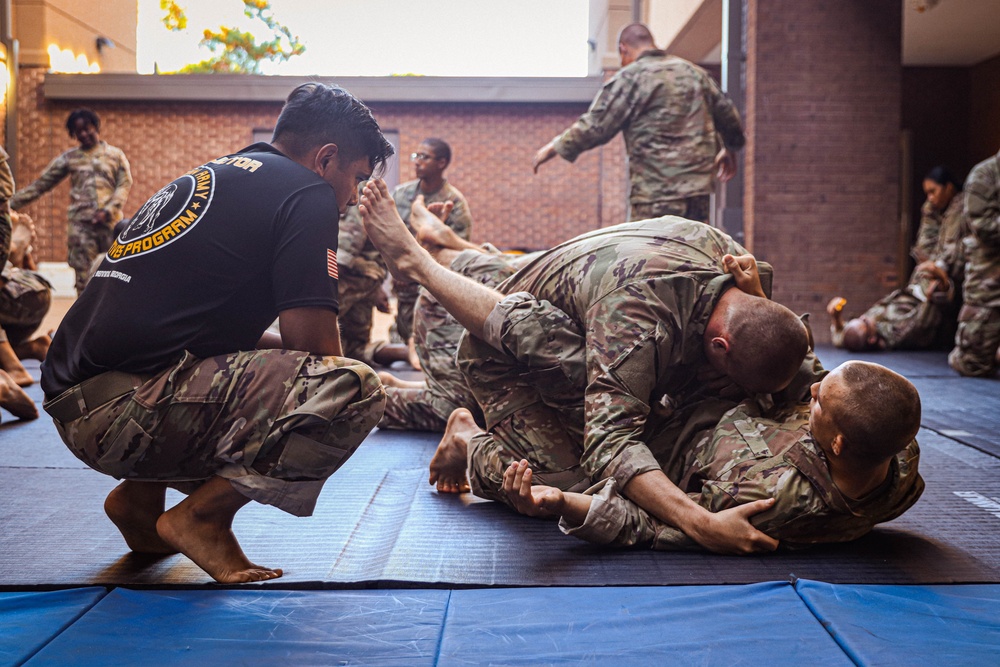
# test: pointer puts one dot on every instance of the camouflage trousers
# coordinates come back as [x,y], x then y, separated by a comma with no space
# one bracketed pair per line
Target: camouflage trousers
[977,340]
[905,321]
[529,378]
[86,242]
[275,423]
[437,335]
[406,301]
[693,208]
[24,302]
[357,296]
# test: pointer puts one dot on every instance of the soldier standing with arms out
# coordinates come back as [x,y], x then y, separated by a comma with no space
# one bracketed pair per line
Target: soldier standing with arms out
[978,337]
[429,162]
[669,111]
[100,181]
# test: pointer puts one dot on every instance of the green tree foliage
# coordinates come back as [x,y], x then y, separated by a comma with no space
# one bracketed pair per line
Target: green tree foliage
[236,51]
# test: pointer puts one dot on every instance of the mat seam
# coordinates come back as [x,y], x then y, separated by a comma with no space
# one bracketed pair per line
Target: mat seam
[815,614]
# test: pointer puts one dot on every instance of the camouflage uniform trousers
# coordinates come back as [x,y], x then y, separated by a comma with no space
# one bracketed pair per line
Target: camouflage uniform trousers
[406,302]
[977,341]
[275,423]
[24,302]
[357,300]
[437,335]
[693,208]
[529,379]
[86,242]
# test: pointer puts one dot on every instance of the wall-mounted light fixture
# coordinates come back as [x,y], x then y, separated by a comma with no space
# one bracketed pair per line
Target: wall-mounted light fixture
[104,43]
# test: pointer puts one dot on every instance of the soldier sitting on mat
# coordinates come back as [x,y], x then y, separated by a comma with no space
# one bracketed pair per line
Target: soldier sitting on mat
[159,372]
[588,344]
[836,466]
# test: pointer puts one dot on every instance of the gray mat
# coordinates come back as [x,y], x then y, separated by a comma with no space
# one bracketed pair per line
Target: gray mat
[378,523]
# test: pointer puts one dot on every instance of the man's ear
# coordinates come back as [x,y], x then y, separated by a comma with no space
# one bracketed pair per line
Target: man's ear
[326,155]
[720,345]
[837,446]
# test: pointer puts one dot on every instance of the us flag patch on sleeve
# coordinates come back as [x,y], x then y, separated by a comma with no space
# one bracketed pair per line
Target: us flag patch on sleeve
[331,263]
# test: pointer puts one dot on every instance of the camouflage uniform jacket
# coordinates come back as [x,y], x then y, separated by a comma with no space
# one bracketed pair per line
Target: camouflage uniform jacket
[642,294]
[460,218]
[6,192]
[939,230]
[356,254]
[100,180]
[668,111]
[982,246]
[748,457]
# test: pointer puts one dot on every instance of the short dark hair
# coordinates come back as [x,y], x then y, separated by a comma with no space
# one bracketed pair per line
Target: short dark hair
[856,336]
[768,343]
[87,115]
[943,175]
[440,147]
[635,35]
[316,114]
[880,414]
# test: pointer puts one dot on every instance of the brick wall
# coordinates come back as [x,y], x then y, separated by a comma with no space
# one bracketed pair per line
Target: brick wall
[822,175]
[492,144]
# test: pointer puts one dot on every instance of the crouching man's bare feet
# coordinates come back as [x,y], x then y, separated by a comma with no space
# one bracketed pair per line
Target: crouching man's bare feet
[14,400]
[134,508]
[201,528]
[449,461]
[403,255]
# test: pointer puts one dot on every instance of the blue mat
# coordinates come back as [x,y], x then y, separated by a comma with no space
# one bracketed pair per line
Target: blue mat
[29,620]
[254,627]
[679,625]
[910,625]
[773,622]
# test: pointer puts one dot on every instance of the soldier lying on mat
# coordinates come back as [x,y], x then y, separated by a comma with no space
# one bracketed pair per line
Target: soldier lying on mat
[836,466]
[570,359]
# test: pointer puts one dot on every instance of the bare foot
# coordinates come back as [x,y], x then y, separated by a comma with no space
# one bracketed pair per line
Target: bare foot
[430,229]
[411,354]
[402,254]
[14,400]
[134,508]
[36,348]
[200,527]
[20,375]
[440,209]
[390,380]
[449,461]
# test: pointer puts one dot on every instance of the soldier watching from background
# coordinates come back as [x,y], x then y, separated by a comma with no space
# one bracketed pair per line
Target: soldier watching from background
[100,181]
[670,113]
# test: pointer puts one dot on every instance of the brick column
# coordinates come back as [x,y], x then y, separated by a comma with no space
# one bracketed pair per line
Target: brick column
[822,174]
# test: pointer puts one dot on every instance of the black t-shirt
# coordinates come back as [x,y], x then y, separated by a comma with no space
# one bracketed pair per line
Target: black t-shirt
[205,265]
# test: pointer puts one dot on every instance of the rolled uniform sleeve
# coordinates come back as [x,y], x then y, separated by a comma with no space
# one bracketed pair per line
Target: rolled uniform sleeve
[610,111]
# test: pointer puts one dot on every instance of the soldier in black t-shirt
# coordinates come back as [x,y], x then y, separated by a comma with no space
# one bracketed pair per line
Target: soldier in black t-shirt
[162,373]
